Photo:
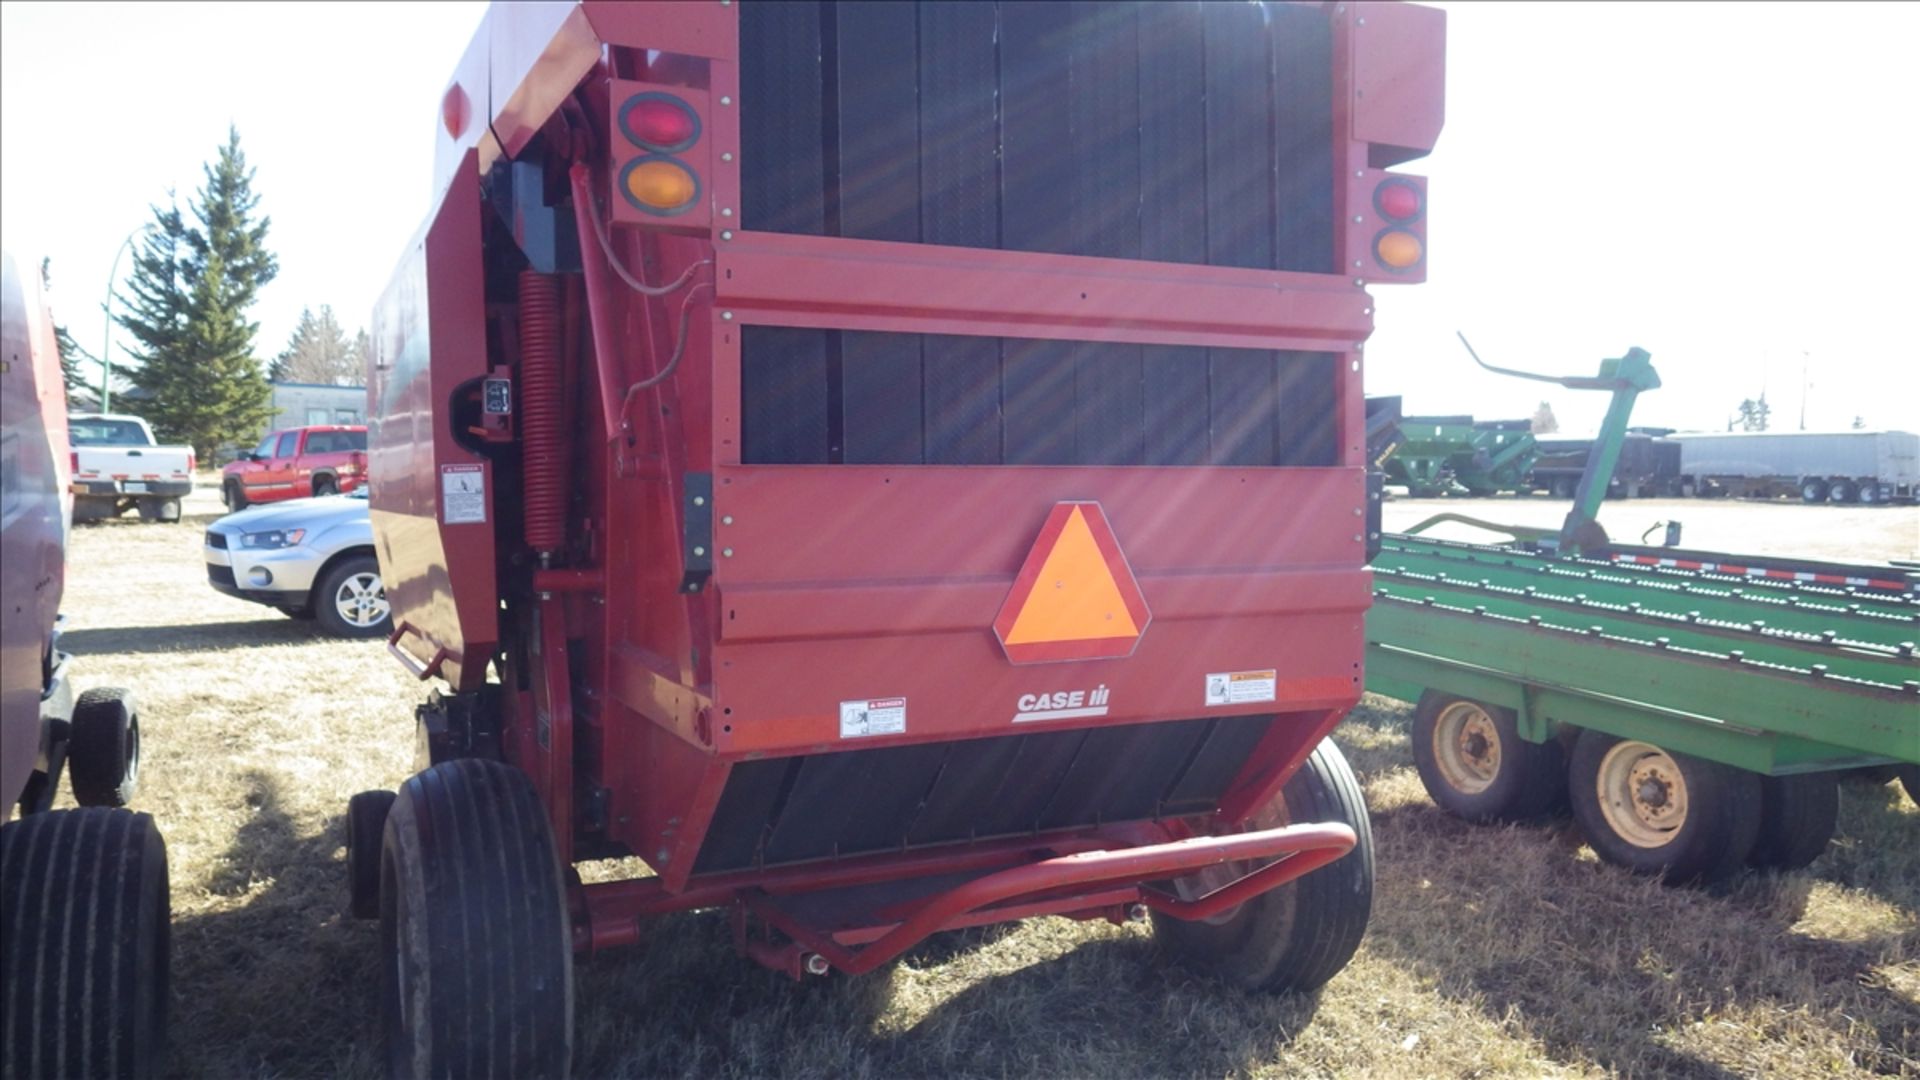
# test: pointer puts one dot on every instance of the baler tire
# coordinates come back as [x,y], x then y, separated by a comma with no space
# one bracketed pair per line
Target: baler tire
[477,957]
[366,828]
[103,747]
[1527,780]
[1717,829]
[1797,817]
[1294,938]
[84,903]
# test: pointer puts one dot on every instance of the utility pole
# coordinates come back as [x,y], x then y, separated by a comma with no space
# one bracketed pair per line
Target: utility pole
[106,330]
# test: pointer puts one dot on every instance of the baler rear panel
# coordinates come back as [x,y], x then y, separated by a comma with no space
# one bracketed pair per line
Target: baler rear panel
[927,293]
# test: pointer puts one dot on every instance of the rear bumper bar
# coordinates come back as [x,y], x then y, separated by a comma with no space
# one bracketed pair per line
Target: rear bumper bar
[1085,884]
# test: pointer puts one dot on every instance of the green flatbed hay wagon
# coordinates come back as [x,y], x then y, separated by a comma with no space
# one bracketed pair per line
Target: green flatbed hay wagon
[1696,710]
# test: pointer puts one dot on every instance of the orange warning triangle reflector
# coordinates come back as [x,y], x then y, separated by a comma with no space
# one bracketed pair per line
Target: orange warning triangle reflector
[1075,597]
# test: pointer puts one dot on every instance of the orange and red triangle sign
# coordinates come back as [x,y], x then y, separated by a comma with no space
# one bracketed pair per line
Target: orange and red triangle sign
[1075,597]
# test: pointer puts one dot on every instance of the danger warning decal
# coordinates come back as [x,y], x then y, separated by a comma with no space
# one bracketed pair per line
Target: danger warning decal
[1075,597]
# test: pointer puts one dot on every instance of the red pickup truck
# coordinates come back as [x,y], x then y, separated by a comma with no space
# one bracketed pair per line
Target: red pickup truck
[297,463]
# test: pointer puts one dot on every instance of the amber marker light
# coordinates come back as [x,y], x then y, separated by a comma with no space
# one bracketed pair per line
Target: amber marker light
[1398,249]
[660,185]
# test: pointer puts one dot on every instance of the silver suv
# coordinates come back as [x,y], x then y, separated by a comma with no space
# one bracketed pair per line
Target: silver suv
[307,557]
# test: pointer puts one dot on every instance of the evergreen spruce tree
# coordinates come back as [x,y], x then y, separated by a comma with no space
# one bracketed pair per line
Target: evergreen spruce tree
[318,352]
[186,304]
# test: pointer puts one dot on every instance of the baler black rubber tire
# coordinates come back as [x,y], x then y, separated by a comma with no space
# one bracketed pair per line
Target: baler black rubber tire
[234,494]
[103,747]
[1530,781]
[84,916]
[474,909]
[1294,938]
[1797,818]
[366,832]
[1712,844]
[1910,779]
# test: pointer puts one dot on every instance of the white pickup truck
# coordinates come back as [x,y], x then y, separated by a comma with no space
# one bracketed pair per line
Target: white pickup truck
[117,467]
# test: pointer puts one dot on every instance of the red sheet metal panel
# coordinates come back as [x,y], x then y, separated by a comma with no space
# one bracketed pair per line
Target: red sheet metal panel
[432,504]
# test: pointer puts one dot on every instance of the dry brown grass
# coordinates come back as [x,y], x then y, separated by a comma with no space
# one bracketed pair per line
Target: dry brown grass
[1493,952]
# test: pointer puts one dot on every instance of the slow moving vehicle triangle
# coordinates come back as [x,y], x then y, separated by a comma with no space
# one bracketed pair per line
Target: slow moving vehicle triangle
[1075,597]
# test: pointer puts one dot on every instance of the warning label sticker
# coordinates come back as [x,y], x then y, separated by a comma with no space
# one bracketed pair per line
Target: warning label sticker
[1235,687]
[463,494]
[880,716]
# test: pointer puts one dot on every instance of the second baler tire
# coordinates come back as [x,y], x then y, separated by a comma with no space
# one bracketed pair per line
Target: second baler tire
[1797,818]
[1294,938]
[1712,844]
[366,832]
[103,747]
[473,905]
[1532,777]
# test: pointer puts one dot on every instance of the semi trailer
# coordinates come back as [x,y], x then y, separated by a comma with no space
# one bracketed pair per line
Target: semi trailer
[887,468]
[1867,467]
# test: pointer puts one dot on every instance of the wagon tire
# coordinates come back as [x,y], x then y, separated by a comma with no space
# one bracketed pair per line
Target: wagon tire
[366,827]
[351,601]
[1294,938]
[1797,818]
[234,495]
[468,858]
[103,747]
[1475,765]
[88,889]
[1683,819]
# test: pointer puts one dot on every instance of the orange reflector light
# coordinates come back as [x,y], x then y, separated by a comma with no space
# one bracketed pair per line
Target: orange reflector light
[1075,597]
[1398,249]
[660,185]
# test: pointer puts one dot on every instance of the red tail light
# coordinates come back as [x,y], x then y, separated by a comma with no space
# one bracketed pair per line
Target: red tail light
[659,122]
[1397,200]
[191,461]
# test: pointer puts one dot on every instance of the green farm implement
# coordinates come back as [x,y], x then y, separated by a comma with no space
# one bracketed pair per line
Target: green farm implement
[1694,709]
[1443,455]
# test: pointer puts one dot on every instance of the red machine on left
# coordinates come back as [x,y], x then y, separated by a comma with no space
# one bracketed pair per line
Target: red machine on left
[83,892]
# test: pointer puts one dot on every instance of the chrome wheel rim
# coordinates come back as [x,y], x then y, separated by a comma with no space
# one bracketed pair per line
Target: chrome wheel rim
[361,600]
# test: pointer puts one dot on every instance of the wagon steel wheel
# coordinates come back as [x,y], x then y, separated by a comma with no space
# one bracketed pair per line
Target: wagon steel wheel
[1654,811]
[1475,765]
[1466,747]
[1642,794]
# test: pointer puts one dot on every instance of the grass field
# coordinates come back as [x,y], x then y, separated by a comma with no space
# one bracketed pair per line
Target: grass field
[1492,952]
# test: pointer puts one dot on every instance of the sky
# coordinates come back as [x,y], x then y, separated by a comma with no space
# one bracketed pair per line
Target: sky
[1728,186]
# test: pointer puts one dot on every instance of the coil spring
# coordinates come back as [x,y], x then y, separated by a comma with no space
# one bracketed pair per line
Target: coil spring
[542,438]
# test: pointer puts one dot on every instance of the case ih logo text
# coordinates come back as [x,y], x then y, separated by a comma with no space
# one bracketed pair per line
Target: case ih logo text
[1062,705]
